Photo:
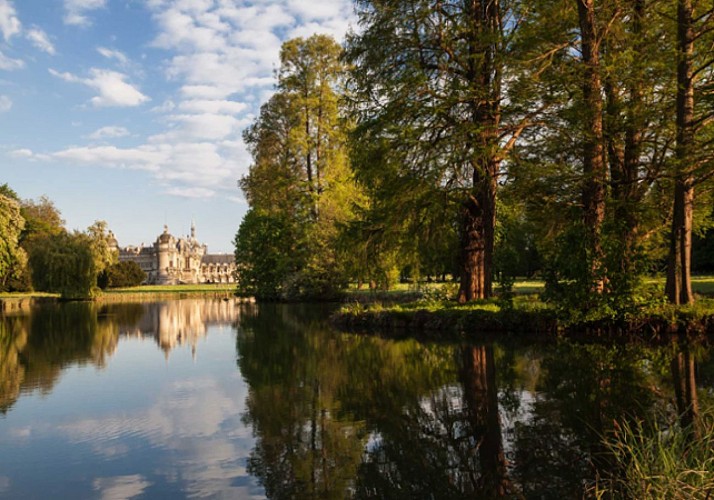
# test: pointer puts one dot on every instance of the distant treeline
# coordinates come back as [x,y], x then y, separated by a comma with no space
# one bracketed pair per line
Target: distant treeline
[38,253]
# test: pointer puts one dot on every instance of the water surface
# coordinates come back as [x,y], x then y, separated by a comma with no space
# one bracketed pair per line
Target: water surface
[213,399]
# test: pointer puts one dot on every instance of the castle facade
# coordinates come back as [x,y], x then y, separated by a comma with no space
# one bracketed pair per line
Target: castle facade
[173,261]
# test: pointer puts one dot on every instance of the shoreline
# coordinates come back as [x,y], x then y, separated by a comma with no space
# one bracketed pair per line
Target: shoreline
[445,324]
[16,302]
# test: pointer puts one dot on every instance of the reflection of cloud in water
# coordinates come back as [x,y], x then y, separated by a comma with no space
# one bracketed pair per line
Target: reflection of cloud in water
[20,432]
[120,487]
[4,483]
[197,422]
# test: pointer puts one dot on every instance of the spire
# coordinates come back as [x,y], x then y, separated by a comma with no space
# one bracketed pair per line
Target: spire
[193,229]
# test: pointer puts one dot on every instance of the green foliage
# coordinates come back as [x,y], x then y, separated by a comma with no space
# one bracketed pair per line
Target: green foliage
[66,264]
[264,252]
[120,275]
[12,256]
[299,187]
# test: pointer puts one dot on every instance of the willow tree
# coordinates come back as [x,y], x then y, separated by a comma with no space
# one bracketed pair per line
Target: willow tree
[427,79]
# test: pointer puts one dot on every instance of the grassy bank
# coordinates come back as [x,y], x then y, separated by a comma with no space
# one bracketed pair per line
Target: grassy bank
[525,315]
[14,301]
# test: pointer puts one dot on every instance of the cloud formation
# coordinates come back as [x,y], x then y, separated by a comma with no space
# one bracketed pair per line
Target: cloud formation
[111,85]
[219,57]
[108,132]
[76,11]
[39,39]
[9,23]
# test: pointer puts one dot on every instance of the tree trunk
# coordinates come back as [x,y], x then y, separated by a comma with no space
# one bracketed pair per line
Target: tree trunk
[679,286]
[594,171]
[478,216]
[477,241]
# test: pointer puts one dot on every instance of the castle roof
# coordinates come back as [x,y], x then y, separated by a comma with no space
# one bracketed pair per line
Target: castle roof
[218,258]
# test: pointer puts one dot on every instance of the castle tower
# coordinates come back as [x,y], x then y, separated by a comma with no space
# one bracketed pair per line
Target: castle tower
[162,250]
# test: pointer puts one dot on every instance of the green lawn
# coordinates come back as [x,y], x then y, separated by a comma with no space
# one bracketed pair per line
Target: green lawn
[227,287]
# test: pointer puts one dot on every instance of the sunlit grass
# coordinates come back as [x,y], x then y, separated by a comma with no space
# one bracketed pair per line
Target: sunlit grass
[26,295]
[198,288]
[660,462]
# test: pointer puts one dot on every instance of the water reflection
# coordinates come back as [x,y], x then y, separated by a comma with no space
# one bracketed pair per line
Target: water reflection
[364,417]
[89,399]
[36,347]
[111,422]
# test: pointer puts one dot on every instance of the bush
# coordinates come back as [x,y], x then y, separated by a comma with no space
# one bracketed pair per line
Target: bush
[122,274]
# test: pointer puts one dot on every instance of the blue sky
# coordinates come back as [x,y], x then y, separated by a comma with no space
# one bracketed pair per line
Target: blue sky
[131,111]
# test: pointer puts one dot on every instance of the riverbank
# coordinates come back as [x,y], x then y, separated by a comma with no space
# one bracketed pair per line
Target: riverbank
[18,301]
[528,317]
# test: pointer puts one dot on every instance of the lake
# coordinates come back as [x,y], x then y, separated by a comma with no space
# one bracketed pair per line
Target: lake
[210,398]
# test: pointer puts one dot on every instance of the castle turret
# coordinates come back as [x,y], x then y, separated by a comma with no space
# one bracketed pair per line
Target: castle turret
[162,251]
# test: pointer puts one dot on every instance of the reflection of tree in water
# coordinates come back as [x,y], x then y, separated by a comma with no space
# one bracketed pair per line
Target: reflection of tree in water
[445,444]
[37,347]
[307,446]
[582,391]
[12,372]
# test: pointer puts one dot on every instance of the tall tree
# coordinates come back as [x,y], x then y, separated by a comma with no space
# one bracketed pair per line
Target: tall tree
[427,80]
[594,169]
[693,152]
[300,186]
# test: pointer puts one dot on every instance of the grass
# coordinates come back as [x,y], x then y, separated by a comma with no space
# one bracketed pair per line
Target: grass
[198,288]
[660,462]
[25,295]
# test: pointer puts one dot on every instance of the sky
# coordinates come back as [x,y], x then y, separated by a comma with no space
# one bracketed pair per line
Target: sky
[131,111]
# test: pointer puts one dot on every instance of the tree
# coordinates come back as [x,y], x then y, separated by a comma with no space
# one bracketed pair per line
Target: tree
[122,274]
[70,263]
[66,264]
[104,253]
[12,256]
[427,80]
[43,219]
[299,186]
[693,151]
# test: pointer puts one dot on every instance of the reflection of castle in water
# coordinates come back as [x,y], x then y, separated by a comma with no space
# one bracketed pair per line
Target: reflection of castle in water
[37,345]
[182,322]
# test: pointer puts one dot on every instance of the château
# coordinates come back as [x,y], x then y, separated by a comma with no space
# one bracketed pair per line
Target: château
[173,261]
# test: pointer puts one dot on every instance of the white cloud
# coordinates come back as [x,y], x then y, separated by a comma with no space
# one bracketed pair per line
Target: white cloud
[199,127]
[221,56]
[5,104]
[108,132]
[113,54]
[212,106]
[22,153]
[10,64]
[191,192]
[76,11]
[141,158]
[111,85]
[40,40]
[9,23]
